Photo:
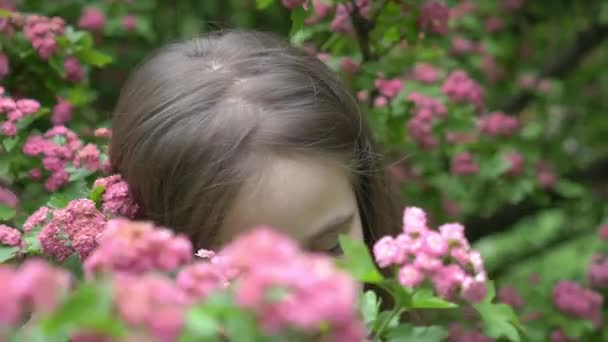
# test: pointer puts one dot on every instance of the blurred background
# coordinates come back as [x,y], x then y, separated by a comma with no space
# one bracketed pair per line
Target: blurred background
[515,145]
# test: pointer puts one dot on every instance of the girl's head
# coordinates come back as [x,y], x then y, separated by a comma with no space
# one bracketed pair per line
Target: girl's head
[217,134]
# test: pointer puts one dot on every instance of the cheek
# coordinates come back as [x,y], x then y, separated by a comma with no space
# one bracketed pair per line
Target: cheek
[356,231]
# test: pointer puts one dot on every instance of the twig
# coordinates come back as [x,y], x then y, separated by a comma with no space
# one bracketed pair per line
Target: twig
[582,44]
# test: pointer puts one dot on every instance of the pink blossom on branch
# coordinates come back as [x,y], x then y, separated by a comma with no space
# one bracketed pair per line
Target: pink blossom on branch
[9,236]
[116,199]
[92,19]
[434,15]
[572,299]
[460,88]
[62,112]
[498,124]
[8,198]
[137,247]
[464,164]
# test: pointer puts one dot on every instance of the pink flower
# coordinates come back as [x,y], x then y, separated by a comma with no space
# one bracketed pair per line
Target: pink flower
[426,262]
[498,124]
[117,199]
[129,22]
[8,198]
[199,279]
[389,88]
[42,33]
[74,228]
[414,221]
[380,101]
[341,22]
[349,66]
[92,19]
[9,129]
[545,176]
[434,15]
[9,236]
[88,157]
[362,96]
[461,45]
[454,233]
[509,295]
[56,180]
[62,112]
[321,10]
[604,232]
[598,272]
[387,252]
[137,247]
[464,164]
[474,290]
[153,302]
[73,69]
[447,280]
[102,133]
[434,244]
[493,24]
[4,65]
[425,73]
[516,164]
[460,88]
[28,106]
[37,219]
[410,276]
[572,299]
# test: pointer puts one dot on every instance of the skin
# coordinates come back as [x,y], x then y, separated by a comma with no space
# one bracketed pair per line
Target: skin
[310,199]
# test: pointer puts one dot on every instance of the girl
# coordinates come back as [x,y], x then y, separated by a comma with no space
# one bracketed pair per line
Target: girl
[221,133]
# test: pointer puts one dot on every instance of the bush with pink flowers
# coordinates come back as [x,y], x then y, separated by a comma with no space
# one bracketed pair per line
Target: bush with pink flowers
[487,117]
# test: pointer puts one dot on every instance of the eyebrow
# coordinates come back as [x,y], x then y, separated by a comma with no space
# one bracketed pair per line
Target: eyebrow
[334,225]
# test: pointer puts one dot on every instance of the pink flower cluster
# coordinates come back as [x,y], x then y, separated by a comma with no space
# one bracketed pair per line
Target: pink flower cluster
[321,8]
[62,112]
[8,198]
[572,299]
[444,257]
[509,295]
[73,69]
[4,65]
[597,273]
[342,21]
[389,88]
[129,22]
[136,248]
[59,147]
[463,89]
[604,232]
[92,19]
[15,111]
[9,236]
[516,164]
[498,124]
[151,302]
[72,229]
[464,164]
[420,127]
[425,73]
[324,296]
[545,176]
[434,16]
[42,32]
[116,198]
[33,287]
[291,4]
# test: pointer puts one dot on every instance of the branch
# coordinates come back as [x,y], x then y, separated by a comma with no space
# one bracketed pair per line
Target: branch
[583,43]
[362,28]
[479,227]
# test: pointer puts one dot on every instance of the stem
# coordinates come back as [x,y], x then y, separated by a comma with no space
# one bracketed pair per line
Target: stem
[394,312]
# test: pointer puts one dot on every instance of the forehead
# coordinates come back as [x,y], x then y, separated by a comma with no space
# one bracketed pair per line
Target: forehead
[294,195]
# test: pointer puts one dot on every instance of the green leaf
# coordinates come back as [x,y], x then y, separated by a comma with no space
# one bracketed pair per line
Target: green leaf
[424,299]
[10,143]
[499,319]
[96,194]
[298,15]
[89,307]
[357,261]
[58,201]
[93,57]
[569,189]
[408,333]
[7,253]
[200,324]
[262,4]
[369,307]
[6,213]
[31,241]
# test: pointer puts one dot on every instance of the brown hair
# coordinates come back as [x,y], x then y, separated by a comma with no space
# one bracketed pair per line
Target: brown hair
[193,119]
